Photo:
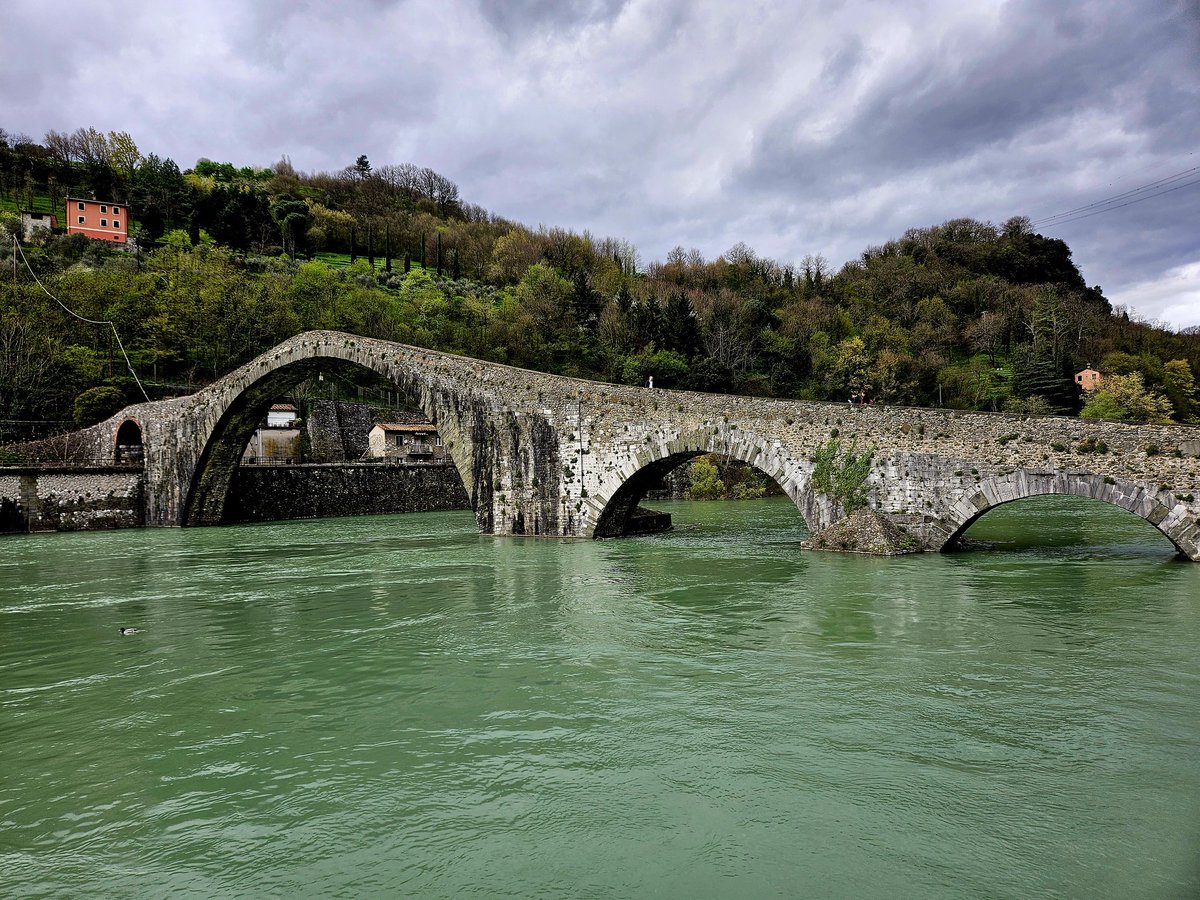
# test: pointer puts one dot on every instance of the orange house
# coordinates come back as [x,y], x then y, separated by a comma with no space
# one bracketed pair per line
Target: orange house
[1089,379]
[97,219]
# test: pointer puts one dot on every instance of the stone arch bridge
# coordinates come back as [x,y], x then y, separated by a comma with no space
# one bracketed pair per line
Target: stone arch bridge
[546,455]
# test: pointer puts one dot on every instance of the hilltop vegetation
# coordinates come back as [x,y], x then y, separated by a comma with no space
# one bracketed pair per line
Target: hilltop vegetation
[230,261]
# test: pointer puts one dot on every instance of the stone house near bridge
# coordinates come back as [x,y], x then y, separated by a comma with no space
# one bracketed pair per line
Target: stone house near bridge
[405,443]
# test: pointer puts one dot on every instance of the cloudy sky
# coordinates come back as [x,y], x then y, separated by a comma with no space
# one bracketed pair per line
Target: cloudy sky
[796,126]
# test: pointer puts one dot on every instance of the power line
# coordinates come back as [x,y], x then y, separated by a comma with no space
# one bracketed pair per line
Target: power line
[1120,205]
[1169,179]
[110,324]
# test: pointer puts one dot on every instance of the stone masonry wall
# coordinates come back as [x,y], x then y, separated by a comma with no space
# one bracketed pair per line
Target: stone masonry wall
[92,500]
[339,430]
[264,493]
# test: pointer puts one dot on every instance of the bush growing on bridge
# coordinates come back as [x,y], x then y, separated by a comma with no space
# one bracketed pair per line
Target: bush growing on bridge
[842,477]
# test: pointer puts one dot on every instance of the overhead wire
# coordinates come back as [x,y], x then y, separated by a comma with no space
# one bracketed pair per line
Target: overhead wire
[113,325]
[1129,197]
[1161,181]
[1097,212]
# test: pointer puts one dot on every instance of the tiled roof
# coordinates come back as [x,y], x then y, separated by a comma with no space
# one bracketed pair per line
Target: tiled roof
[388,426]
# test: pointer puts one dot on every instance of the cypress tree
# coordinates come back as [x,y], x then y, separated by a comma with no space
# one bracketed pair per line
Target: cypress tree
[353,245]
[387,247]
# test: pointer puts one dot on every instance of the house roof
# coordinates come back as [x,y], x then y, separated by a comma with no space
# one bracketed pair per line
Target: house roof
[388,426]
[89,200]
[282,407]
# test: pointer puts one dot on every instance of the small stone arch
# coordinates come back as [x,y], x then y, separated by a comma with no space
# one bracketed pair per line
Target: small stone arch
[616,501]
[1170,518]
[246,399]
[129,446]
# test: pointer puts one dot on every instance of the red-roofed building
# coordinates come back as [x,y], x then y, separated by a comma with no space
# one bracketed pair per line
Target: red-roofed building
[281,415]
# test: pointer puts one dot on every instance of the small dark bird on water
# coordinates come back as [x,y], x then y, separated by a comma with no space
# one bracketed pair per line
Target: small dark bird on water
[130,630]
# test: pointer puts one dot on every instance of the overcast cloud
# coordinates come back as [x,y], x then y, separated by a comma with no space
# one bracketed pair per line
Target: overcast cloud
[797,127]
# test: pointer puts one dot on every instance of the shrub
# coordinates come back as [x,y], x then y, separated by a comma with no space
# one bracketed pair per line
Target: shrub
[706,481]
[98,403]
[842,477]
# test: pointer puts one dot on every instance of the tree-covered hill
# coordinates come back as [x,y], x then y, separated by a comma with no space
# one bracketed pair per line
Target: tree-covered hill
[229,261]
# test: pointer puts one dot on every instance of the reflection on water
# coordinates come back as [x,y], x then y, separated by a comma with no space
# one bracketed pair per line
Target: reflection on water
[398,705]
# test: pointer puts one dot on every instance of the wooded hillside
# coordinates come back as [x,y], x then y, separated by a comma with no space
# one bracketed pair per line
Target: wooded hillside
[230,261]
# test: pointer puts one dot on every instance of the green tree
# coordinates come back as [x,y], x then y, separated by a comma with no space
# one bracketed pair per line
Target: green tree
[98,403]
[124,154]
[157,197]
[1179,385]
[1036,374]
[846,368]
[706,480]
[1125,397]
[294,220]
[681,329]
[666,366]
[513,254]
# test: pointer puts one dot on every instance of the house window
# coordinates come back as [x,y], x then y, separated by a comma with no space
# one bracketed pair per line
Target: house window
[104,223]
[81,220]
[81,206]
[116,224]
[116,209]
[103,208]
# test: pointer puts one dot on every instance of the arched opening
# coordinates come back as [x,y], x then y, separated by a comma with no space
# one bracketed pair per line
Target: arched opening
[1062,522]
[694,474]
[209,500]
[129,449]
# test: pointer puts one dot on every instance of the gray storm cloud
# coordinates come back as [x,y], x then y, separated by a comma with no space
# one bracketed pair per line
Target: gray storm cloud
[797,127]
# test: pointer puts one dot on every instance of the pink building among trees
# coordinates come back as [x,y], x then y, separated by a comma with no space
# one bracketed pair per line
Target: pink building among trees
[98,219]
[1088,379]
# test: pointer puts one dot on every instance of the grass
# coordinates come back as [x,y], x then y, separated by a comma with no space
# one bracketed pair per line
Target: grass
[341,260]
[40,204]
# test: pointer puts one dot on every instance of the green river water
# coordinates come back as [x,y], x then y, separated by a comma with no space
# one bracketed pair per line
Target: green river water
[399,706]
